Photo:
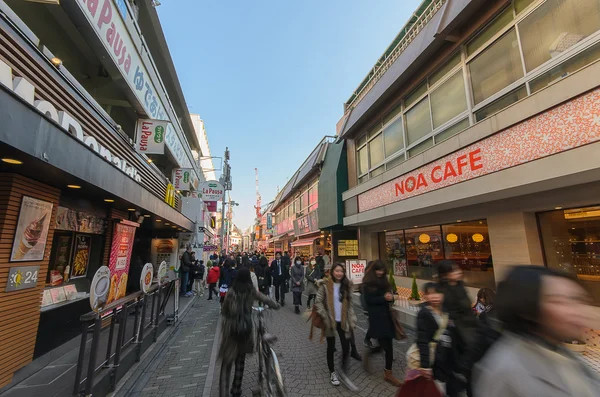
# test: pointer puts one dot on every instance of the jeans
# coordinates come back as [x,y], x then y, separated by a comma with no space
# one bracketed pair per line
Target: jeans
[387,346]
[236,387]
[331,347]
[185,280]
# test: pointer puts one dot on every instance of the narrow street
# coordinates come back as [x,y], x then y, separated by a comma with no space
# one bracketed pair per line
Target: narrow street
[187,365]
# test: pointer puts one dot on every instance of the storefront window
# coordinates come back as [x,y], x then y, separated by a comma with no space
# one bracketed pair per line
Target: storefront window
[556,26]
[395,249]
[423,250]
[468,244]
[571,241]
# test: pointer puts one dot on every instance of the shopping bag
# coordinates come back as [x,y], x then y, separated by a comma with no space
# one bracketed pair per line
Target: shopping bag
[416,385]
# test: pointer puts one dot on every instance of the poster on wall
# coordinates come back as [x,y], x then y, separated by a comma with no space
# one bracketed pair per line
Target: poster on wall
[400,268]
[73,221]
[164,250]
[29,243]
[355,270]
[120,258]
[62,257]
[81,256]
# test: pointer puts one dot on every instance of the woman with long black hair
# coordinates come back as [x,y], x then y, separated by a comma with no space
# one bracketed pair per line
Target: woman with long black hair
[237,330]
[379,298]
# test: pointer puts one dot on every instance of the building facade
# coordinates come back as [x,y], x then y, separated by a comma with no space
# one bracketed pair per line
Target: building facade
[96,146]
[474,139]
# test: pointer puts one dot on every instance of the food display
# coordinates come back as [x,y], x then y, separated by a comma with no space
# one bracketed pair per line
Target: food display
[122,288]
[113,288]
[81,255]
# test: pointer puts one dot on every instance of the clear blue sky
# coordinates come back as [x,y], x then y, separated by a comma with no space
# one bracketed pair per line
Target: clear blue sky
[269,77]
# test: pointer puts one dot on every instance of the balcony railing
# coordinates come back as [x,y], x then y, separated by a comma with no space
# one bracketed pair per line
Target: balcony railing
[416,23]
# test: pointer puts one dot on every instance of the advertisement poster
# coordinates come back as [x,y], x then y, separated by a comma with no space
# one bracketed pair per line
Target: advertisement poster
[100,288]
[146,278]
[164,250]
[63,252]
[400,268]
[81,256]
[355,270]
[46,298]
[32,230]
[73,221]
[182,179]
[151,136]
[120,258]
[58,295]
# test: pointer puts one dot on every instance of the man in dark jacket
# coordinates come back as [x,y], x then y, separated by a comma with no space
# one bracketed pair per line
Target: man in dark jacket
[280,274]
[184,271]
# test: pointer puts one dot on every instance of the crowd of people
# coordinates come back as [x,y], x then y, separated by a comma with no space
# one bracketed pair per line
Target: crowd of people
[507,344]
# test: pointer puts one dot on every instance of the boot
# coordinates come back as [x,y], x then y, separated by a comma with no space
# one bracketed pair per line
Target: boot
[390,378]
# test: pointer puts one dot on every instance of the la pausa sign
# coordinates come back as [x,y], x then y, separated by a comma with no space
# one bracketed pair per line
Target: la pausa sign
[212,191]
[451,169]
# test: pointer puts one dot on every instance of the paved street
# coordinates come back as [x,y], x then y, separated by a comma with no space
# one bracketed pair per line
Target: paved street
[187,360]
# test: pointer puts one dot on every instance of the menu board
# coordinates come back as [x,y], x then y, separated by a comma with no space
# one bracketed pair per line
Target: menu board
[58,295]
[46,298]
[120,258]
[348,248]
[71,220]
[70,292]
[81,256]
[164,250]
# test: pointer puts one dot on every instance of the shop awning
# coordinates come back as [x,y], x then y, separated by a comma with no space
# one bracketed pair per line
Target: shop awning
[303,242]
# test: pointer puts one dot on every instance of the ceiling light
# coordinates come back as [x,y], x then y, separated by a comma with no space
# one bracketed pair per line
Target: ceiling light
[174,227]
[158,220]
[458,221]
[56,61]
[167,224]
[558,208]
[149,160]
[147,216]
[131,209]
[74,186]
[12,161]
[109,200]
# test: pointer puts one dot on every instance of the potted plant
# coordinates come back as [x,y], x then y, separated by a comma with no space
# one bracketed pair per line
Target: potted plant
[392,281]
[415,298]
[576,346]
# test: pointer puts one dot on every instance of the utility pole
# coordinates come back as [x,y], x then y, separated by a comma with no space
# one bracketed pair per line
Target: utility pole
[226,182]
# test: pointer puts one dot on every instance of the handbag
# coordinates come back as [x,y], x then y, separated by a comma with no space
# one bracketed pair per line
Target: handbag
[413,356]
[399,333]
[316,321]
[223,290]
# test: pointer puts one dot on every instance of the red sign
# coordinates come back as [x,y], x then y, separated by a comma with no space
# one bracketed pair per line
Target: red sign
[211,206]
[120,258]
[570,125]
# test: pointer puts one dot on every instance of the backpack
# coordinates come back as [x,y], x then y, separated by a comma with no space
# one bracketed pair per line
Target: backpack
[241,324]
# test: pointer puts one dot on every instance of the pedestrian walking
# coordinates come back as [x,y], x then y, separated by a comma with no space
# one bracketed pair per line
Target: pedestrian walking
[184,271]
[199,271]
[379,298]
[540,308]
[212,279]
[280,274]
[254,278]
[297,282]
[313,275]
[237,331]
[263,273]
[334,306]
[226,278]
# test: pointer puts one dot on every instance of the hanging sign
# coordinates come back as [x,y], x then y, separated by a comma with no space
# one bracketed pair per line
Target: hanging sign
[146,278]
[170,195]
[182,178]
[212,191]
[150,135]
[211,206]
[120,257]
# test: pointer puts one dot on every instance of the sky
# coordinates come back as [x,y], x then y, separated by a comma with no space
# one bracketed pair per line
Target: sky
[269,77]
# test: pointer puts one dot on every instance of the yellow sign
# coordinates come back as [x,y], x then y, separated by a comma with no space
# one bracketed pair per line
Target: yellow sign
[348,248]
[170,195]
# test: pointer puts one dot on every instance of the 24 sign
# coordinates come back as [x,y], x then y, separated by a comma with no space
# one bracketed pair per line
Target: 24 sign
[22,277]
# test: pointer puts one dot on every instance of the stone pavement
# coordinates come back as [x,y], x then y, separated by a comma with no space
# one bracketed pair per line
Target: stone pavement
[187,360]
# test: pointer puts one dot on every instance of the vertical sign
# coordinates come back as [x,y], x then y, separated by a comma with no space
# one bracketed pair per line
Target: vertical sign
[170,195]
[182,178]
[355,270]
[120,258]
[150,135]
[269,220]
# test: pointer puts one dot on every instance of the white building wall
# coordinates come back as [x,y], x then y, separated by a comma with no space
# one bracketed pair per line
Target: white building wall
[206,163]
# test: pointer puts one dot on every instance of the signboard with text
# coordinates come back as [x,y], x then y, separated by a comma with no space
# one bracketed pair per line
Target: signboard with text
[355,270]
[22,277]
[212,191]
[150,135]
[120,259]
[181,179]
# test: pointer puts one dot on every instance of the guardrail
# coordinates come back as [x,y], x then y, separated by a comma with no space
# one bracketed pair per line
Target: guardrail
[118,314]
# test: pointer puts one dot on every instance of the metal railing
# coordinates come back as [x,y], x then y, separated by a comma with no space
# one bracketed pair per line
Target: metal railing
[389,57]
[118,314]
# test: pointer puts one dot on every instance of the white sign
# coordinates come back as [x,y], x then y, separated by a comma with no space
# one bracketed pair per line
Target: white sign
[100,288]
[150,135]
[146,278]
[182,178]
[26,90]
[110,28]
[162,272]
[355,269]
[212,191]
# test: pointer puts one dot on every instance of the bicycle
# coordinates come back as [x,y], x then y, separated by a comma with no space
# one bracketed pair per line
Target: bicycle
[268,364]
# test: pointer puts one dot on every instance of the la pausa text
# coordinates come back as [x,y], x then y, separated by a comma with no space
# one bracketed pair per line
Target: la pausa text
[468,162]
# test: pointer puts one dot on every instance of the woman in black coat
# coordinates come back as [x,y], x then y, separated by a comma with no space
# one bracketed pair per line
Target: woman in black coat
[378,297]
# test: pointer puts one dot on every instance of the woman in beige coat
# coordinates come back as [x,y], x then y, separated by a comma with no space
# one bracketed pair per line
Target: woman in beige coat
[540,308]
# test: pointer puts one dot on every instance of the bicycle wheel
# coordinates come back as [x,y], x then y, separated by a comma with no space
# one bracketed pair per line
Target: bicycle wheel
[275,386]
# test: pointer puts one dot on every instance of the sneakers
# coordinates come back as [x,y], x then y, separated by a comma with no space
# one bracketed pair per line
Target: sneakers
[334,379]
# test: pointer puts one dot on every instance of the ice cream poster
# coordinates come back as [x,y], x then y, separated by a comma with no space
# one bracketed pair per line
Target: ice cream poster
[32,230]
[120,258]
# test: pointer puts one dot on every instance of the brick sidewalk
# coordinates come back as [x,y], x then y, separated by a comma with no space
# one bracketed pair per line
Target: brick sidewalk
[304,364]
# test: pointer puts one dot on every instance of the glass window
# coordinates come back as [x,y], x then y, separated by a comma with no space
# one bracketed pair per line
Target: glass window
[363,179]
[396,252]
[361,141]
[501,103]
[556,26]
[390,116]
[571,241]
[437,76]
[520,5]
[418,121]
[492,29]
[363,161]
[496,67]
[423,250]
[420,148]
[561,71]
[448,100]
[397,161]
[393,137]
[376,150]
[377,171]
[303,201]
[468,245]
[455,129]
[416,94]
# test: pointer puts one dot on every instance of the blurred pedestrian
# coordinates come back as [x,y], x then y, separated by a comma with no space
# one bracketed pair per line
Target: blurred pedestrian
[313,275]
[263,273]
[280,274]
[212,279]
[184,271]
[237,331]
[379,298]
[540,308]
[199,271]
[334,305]
[297,282]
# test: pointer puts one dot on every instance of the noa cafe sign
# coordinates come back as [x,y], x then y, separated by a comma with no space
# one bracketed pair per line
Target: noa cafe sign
[26,91]
[212,191]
